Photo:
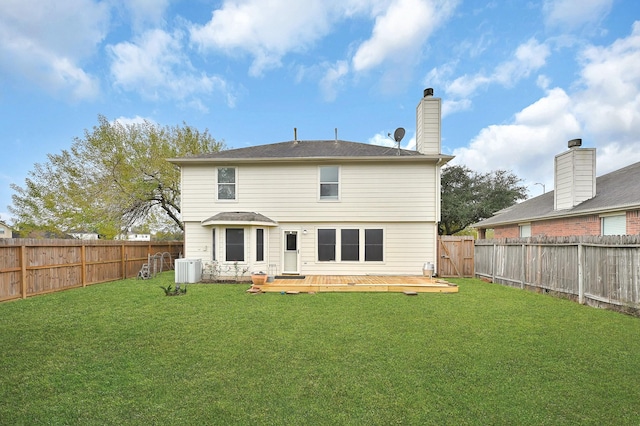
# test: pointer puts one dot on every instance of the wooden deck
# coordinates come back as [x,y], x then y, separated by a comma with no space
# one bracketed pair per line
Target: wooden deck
[357,283]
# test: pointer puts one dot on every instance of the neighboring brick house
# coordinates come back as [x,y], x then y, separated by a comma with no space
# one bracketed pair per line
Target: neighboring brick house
[580,204]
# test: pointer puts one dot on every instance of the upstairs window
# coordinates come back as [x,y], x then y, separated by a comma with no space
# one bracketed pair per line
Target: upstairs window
[329,182]
[226,183]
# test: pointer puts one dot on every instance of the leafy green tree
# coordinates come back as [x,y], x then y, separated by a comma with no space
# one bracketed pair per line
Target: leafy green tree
[114,178]
[468,196]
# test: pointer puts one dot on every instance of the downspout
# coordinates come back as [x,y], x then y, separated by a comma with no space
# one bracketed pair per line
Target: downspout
[436,263]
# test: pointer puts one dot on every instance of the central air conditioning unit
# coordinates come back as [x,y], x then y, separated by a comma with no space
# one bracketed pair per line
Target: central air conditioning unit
[188,271]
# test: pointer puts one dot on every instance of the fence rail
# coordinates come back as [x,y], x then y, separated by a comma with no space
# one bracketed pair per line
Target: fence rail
[33,266]
[599,271]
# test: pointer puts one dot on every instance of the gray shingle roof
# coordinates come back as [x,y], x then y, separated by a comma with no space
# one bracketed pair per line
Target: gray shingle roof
[618,190]
[309,149]
[237,217]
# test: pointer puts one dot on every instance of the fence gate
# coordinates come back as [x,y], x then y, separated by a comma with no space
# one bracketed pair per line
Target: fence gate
[455,256]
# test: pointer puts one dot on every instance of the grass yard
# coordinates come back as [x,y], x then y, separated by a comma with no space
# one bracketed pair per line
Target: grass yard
[124,353]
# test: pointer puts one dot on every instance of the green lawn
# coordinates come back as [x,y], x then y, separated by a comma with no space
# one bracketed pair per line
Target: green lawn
[124,353]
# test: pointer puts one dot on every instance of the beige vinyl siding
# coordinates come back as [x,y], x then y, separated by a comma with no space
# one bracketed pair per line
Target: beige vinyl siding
[197,241]
[407,246]
[198,244]
[290,192]
[574,177]
[428,117]
[5,231]
[563,183]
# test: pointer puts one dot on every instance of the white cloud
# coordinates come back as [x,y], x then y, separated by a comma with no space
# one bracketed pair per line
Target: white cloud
[145,12]
[569,14]
[604,112]
[47,43]
[381,139]
[450,106]
[609,104]
[125,121]
[333,79]
[400,31]
[528,57]
[467,85]
[265,30]
[526,146]
[155,66]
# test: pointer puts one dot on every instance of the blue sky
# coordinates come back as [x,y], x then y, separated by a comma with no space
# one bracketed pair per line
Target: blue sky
[518,79]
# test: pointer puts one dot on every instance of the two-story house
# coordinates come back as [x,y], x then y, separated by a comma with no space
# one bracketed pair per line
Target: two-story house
[329,207]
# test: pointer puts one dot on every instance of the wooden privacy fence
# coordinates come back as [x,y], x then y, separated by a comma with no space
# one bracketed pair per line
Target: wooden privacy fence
[29,266]
[594,270]
[455,256]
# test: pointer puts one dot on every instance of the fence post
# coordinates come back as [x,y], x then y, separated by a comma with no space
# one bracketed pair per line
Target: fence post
[23,271]
[524,267]
[493,264]
[580,275]
[123,261]
[83,260]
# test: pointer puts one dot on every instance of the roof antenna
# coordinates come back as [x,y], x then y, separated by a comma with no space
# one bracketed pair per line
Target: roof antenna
[397,136]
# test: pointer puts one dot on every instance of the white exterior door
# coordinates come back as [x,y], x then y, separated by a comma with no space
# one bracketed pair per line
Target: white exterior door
[291,252]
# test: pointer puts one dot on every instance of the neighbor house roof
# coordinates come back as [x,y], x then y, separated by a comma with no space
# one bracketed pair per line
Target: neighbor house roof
[615,191]
[325,149]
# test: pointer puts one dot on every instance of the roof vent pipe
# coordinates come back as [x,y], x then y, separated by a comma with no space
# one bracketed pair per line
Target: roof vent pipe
[574,143]
[428,92]
[295,134]
[336,129]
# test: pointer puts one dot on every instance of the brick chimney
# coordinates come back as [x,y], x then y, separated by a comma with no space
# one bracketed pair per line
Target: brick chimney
[428,118]
[575,176]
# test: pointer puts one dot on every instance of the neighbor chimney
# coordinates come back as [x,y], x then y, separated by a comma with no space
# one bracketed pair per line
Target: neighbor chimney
[428,118]
[575,176]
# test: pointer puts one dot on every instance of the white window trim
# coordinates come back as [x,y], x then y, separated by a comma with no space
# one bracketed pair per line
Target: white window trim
[361,243]
[622,215]
[524,225]
[319,186]
[244,245]
[265,247]
[236,173]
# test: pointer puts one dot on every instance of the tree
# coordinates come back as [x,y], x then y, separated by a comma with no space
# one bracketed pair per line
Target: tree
[113,179]
[468,196]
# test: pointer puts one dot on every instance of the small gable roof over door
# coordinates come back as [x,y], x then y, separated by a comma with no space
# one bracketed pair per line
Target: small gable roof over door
[239,218]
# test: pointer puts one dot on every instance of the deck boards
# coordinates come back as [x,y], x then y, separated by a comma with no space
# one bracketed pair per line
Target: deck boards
[358,283]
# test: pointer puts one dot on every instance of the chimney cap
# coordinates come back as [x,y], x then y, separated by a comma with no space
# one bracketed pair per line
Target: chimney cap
[574,143]
[428,92]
